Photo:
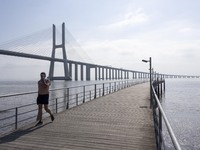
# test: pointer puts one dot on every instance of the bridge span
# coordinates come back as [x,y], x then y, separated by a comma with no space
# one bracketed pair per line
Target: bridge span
[100,72]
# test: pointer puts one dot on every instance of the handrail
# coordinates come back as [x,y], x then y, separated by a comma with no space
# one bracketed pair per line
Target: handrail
[171,133]
[32,92]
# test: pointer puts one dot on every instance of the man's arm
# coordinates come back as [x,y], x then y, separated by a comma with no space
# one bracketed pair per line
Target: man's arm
[47,82]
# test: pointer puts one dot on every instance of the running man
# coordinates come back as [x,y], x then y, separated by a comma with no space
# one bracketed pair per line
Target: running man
[43,98]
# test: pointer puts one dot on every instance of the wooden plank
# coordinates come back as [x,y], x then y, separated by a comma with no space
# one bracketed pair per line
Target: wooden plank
[121,120]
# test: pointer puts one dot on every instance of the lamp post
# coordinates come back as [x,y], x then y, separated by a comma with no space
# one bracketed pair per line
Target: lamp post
[150,69]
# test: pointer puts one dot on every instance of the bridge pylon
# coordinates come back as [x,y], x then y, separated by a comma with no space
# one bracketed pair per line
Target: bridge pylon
[65,61]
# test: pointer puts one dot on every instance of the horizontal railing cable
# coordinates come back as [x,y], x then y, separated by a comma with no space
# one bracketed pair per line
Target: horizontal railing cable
[55,89]
[75,95]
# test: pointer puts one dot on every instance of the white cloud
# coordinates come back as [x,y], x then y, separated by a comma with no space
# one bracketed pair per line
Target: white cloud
[130,18]
[167,55]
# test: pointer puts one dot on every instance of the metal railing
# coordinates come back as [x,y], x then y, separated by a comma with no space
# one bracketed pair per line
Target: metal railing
[159,115]
[14,118]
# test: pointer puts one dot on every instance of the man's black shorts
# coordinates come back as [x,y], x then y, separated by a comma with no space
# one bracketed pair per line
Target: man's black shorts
[43,99]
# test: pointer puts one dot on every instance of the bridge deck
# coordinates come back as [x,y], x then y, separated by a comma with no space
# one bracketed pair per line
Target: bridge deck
[121,120]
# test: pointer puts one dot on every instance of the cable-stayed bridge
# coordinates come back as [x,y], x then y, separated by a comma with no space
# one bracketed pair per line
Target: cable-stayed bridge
[43,45]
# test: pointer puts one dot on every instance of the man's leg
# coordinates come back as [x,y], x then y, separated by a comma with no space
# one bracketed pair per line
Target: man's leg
[39,116]
[49,111]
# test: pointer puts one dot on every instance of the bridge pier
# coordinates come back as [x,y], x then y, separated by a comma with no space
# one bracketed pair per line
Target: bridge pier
[112,74]
[65,61]
[115,73]
[102,73]
[95,72]
[70,69]
[132,75]
[106,73]
[76,72]
[87,73]
[118,74]
[143,75]
[99,68]
[81,72]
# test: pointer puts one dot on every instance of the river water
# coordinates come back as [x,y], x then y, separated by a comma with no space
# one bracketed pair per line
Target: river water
[181,103]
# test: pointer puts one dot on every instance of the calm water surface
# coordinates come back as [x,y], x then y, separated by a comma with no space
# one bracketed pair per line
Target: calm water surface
[182,106]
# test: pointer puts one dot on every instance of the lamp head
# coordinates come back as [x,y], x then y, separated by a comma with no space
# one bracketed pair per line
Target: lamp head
[145,61]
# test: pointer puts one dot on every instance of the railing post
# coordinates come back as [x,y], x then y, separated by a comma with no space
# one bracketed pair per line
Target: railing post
[95,91]
[160,129]
[115,87]
[16,117]
[103,90]
[156,121]
[67,107]
[56,105]
[109,88]
[83,94]
[164,85]
[151,99]
[91,95]
[150,80]
[158,86]
[76,99]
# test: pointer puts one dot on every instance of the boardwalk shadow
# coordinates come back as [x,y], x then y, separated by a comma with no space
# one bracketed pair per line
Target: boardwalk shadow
[15,135]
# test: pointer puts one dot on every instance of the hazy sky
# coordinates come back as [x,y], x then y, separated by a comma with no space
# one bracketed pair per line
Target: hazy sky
[119,33]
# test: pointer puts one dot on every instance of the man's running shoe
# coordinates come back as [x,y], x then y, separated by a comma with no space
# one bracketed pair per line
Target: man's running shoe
[52,118]
[39,123]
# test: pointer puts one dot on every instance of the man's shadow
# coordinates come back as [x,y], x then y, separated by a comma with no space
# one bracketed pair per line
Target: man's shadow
[15,135]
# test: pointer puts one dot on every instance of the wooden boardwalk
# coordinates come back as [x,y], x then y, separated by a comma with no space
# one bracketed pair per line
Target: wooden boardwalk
[119,121]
